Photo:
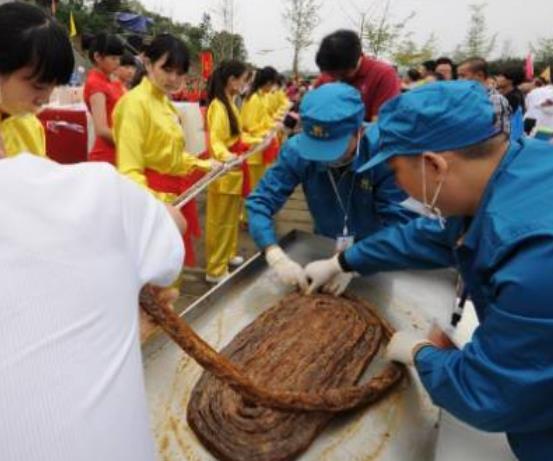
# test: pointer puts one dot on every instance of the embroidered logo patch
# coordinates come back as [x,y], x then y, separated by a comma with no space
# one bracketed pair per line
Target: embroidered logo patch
[319,131]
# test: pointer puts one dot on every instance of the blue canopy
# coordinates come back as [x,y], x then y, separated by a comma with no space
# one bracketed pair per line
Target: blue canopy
[134,22]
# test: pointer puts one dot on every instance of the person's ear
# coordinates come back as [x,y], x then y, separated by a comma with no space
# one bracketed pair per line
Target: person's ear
[436,166]
[97,56]
[147,64]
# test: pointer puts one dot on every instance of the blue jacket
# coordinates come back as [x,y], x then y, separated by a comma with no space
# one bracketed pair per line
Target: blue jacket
[374,200]
[502,381]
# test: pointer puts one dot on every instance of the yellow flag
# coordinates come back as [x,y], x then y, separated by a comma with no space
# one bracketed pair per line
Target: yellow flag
[546,74]
[72,27]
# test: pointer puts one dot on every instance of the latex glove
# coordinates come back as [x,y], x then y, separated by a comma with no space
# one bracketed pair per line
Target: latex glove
[322,272]
[404,345]
[337,284]
[288,270]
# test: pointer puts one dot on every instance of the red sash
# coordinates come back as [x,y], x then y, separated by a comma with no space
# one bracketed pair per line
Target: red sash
[240,148]
[271,152]
[177,185]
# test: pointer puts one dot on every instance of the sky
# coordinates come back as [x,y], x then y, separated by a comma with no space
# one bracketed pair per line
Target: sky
[260,23]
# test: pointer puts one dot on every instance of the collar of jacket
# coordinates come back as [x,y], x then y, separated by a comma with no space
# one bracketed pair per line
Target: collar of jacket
[152,89]
[473,234]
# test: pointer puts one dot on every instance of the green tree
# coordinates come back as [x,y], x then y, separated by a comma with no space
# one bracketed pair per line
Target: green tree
[543,49]
[408,53]
[301,17]
[221,49]
[383,36]
[477,41]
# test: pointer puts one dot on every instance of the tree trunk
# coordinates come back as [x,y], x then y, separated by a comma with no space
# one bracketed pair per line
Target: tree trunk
[295,63]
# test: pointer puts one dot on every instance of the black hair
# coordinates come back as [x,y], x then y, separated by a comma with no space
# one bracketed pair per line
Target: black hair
[281,80]
[178,56]
[217,84]
[340,50]
[429,65]
[136,44]
[476,64]
[414,75]
[29,37]
[444,60]
[262,78]
[513,73]
[103,44]
[128,59]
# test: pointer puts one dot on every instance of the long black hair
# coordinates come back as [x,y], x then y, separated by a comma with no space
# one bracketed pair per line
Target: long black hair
[29,37]
[262,77]
[178,56]
[103,44]
[217,84]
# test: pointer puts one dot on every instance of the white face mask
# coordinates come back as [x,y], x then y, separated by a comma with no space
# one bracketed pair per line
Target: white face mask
[430,209]
[547,109]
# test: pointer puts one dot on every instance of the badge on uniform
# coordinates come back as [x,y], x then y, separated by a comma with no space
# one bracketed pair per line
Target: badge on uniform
[343,242]
[366,184]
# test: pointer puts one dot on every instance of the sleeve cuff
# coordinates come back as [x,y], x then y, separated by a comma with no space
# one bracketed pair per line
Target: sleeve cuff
[344,265]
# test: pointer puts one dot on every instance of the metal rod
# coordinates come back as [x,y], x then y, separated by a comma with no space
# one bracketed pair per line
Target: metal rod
[200,185]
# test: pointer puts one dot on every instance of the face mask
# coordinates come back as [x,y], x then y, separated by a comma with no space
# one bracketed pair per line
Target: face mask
[430,209]
[547,109]
[342,162]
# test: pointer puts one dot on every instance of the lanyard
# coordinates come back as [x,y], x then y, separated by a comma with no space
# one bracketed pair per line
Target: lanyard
[345,209]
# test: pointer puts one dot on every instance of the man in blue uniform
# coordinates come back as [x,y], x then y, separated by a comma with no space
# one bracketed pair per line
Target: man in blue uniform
[493,204]
[345,206]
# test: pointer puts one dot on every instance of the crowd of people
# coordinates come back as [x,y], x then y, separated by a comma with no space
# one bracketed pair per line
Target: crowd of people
[530,100]
[441,174]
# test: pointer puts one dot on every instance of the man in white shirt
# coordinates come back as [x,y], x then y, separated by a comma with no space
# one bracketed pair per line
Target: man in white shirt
[77,243]
[539,103]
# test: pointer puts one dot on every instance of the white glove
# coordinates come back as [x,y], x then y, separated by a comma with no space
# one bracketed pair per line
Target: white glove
[322,272]
[337,284]
[404,345]
[288,270]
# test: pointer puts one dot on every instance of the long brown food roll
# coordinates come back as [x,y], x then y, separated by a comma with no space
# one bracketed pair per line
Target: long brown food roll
[305,353]
[335,399]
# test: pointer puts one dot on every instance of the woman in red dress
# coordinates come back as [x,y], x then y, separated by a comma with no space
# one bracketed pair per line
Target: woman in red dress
[100,92]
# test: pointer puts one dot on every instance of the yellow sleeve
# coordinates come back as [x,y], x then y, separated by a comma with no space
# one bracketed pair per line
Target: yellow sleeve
[251,140]
[23,134]
[130,126]
[255,118]
[219,131]
[40,138]
[191,162]
[283,103]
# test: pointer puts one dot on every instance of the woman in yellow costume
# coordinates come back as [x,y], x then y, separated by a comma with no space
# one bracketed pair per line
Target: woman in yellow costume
[257,121]
[150,145]
[278,101]
[227,141]
[35,56]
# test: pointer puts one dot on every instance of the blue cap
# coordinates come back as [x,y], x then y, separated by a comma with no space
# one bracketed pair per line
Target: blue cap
[330,115]
[435,117]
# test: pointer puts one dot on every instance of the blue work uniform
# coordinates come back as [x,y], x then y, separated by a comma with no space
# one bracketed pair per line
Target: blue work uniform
[375,198]
[502,381]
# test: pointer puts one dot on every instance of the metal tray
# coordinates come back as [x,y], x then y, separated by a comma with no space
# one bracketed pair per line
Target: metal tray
[402,427]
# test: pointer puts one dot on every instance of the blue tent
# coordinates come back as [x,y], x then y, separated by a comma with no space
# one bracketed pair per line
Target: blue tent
[134,22]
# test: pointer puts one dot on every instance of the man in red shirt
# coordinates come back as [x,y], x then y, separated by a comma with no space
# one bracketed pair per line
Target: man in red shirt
[340,58]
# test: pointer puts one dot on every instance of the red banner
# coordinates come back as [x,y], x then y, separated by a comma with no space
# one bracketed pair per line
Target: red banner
[206,61]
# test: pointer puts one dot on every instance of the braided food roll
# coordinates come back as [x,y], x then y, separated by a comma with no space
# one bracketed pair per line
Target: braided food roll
[276,385]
